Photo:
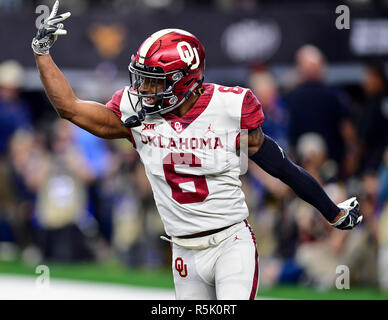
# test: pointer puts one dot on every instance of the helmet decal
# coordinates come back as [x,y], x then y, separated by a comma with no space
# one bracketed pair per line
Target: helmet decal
[189,54]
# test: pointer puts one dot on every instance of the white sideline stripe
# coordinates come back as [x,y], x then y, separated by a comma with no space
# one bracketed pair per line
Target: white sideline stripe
[18,287]
[154,37]
[23,288]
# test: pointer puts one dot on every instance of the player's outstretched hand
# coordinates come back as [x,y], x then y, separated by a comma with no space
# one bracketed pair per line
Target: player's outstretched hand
[352,216]
[49,30]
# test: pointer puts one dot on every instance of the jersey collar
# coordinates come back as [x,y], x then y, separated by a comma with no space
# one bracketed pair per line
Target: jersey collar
[181,123]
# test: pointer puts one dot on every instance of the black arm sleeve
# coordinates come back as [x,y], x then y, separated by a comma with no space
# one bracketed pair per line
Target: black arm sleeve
[272,159]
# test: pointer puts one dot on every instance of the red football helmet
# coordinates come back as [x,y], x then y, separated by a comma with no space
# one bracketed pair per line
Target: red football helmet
[172,63]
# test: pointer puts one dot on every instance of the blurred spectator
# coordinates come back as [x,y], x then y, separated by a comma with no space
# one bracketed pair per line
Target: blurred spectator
[126,195]
[383,178]
[27,158]
[352,154]
[312,152]
[373,128]
[317,249]
[95,150]
[382,254]
[361,248]
[276,117]
[14,111]
[61,188]
[382,223]
[98,161]
[313,106]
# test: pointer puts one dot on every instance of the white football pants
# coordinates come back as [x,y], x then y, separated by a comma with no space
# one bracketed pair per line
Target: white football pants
[226,271]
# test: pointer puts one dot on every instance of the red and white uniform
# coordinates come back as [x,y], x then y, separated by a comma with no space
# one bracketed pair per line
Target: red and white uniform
[193,167]
[191,162]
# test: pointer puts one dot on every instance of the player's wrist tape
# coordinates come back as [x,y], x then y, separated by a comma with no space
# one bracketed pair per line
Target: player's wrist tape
[273,160]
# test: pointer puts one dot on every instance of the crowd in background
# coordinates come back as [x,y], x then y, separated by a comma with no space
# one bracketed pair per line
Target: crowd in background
[68,196]
[343,143]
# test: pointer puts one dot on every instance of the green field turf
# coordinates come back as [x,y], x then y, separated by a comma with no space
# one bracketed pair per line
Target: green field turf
[116,273]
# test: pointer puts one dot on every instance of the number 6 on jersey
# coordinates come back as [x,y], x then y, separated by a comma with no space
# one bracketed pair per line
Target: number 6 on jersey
[174,179]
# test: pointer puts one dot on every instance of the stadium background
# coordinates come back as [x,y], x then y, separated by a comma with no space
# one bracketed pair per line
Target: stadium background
[82,205]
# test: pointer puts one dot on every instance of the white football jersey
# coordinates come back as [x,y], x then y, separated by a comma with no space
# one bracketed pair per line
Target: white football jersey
[192,161]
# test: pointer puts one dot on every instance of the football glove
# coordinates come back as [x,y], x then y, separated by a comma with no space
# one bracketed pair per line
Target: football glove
[351,218]
[49,31]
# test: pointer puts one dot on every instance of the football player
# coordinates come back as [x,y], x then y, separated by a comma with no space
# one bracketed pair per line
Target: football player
[187,134]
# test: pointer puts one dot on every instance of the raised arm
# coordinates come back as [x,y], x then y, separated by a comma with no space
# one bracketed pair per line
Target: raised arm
[89,115]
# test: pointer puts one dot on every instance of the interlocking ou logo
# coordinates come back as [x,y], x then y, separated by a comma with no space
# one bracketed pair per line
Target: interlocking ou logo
[148,126]
[181,267]
[188,55]
[178,127]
